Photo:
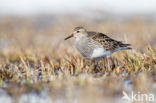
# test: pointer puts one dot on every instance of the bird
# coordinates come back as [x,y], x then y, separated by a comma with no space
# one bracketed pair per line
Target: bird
[95,45]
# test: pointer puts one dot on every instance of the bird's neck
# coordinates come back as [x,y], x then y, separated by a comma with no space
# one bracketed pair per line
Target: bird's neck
[80,38]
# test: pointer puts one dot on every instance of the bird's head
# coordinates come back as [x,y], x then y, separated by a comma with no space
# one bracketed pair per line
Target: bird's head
[78,32]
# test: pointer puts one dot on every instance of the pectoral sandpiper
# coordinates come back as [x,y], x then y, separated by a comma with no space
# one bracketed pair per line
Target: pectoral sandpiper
[95,45]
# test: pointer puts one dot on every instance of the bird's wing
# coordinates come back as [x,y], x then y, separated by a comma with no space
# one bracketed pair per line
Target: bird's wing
[108,43]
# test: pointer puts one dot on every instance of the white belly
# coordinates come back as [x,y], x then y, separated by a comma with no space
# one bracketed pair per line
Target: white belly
[100,52]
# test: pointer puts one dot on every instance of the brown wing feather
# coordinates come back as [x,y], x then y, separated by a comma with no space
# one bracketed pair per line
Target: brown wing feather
[107,42]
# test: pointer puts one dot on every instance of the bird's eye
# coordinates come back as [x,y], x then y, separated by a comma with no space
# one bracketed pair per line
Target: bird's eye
[78,31]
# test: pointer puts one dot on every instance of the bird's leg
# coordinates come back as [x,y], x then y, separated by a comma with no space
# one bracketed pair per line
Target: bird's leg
[95,65]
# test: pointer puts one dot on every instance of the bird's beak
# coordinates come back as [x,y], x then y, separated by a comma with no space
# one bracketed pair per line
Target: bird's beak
[71,35]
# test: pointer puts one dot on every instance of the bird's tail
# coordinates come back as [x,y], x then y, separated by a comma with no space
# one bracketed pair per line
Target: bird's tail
[124,47]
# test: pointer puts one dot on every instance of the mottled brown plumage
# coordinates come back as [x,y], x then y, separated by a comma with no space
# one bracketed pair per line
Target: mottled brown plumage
[94,45]
[107,42]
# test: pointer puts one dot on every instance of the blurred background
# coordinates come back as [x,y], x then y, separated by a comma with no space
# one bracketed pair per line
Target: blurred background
[40,20]
[32,50]
[34,7]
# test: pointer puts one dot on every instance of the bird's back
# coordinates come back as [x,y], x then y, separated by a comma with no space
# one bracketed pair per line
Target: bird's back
[108,43]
